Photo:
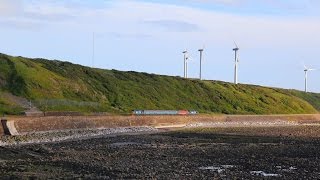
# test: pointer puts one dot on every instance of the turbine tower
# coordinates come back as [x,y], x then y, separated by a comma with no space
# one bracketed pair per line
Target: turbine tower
[187,59]
[306,77]
[93,50]
[236,61]
[184,63]
[201,51]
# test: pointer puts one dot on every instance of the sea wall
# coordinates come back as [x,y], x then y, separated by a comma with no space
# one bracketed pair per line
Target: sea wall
[25,124]
[1,130]
[8,127]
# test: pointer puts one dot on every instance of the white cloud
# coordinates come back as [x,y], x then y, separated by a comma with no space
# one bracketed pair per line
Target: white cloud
[224,2]
[172,25]
[10,7]
[214,25]
[130,17]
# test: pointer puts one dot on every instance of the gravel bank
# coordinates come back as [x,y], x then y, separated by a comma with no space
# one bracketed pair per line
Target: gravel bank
[244,124]
[63,135]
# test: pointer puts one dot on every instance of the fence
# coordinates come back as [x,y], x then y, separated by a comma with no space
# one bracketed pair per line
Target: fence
[64,105]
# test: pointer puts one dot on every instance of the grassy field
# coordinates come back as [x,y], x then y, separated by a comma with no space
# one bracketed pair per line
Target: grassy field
[62,86]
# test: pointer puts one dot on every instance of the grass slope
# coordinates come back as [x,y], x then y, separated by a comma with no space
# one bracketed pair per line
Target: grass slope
[63,86]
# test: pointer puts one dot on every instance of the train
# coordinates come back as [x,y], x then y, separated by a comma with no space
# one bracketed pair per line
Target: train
[164,112]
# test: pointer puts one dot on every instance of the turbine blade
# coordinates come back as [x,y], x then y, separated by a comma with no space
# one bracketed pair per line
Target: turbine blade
[187,56]
[235,44]
[185,51]
[304,65]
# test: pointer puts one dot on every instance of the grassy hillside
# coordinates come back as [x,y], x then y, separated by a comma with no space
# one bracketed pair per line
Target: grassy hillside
[62,86]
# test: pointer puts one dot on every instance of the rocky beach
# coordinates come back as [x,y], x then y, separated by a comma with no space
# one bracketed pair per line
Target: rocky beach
[286,152]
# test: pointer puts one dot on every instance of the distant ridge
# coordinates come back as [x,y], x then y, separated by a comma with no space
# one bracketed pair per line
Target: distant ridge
[53,85]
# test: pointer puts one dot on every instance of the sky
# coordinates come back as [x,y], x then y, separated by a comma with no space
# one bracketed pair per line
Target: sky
[276,37]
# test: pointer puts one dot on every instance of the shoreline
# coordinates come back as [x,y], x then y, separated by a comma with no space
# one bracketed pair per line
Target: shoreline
[56,136]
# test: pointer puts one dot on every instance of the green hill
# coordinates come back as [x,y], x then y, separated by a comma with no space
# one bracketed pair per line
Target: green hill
[62,86]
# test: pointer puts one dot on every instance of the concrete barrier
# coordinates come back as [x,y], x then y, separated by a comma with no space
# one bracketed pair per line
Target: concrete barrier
[1,130]
[33,124]
[9,127]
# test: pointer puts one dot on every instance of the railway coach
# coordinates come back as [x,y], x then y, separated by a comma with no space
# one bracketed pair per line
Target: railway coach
[164,112]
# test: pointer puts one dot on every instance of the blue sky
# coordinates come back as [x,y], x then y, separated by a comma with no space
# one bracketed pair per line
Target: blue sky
[275,37]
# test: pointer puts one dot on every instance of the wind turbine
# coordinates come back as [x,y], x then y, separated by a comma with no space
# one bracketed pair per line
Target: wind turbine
[306,77]
[201,51]
[185,54]
[236,61]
